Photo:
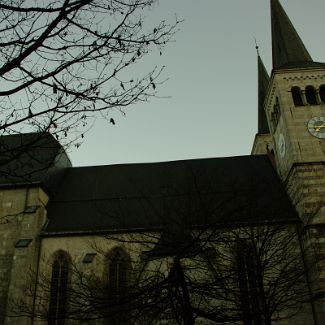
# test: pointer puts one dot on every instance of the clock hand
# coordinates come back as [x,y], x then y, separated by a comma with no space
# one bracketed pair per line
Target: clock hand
[318,127]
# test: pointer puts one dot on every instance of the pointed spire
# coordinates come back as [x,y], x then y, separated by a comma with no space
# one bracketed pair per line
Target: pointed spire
[287,47]
[263,82]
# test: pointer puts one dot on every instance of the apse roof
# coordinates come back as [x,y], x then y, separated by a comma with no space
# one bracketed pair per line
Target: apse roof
[133,197]
[29,158]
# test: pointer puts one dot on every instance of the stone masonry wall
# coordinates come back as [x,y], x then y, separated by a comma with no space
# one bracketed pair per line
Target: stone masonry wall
[22,215]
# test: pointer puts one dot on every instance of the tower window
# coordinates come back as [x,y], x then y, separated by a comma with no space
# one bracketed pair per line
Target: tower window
[58,291]
[311,95]
[275,114]
[322,93]
[296,96]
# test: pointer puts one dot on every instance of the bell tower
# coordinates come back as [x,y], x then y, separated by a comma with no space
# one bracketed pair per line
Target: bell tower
[294,106]
[291,116]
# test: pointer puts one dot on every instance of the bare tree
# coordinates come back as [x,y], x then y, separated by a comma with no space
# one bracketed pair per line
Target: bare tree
[253,274]
[64,63]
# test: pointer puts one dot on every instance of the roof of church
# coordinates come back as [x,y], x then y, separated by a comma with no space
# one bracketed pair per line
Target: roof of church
[29,158]
[288,50]
[128,197]
[263,82]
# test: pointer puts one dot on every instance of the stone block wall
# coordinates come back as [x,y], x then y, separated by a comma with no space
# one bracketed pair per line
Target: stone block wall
[76,247]
[22,215]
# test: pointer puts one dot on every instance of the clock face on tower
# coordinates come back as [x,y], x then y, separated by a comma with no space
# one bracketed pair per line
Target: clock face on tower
[316,127]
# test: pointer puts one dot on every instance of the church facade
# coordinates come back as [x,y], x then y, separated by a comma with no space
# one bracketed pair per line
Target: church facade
[185,242]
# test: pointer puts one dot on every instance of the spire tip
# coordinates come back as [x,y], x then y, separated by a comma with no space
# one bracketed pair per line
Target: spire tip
[256,47]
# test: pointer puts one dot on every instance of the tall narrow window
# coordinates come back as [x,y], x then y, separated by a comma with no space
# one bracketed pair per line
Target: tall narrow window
[275,114]
[322,93]
[58,291]
[311,95]
[248,284]
[296,96]
[118,273]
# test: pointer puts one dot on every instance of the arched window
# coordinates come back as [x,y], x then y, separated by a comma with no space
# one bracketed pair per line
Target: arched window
[118,276]
[58,290]
[296,96]
[118,265]
[248,275]
[311,95]
[275,114]
[322,93]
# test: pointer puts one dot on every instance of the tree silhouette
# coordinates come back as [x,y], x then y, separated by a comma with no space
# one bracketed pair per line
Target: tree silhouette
[66,62]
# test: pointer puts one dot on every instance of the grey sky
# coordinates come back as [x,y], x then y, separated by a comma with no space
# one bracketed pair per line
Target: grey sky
[211,110]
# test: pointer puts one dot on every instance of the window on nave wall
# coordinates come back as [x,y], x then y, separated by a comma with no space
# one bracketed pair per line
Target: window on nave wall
[118,265]
[118,274]
[58,289]
[248,283]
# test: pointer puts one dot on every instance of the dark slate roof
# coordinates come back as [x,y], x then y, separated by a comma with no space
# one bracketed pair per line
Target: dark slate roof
[174,242]
[215,191]
[30,158]
[287,47]
[263,82]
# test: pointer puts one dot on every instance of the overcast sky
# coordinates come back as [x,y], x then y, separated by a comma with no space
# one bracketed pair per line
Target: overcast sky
[209,104]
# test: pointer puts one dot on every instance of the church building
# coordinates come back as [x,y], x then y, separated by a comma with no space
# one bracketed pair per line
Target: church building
[180,242]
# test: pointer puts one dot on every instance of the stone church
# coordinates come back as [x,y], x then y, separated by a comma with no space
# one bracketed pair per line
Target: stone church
[70,233]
